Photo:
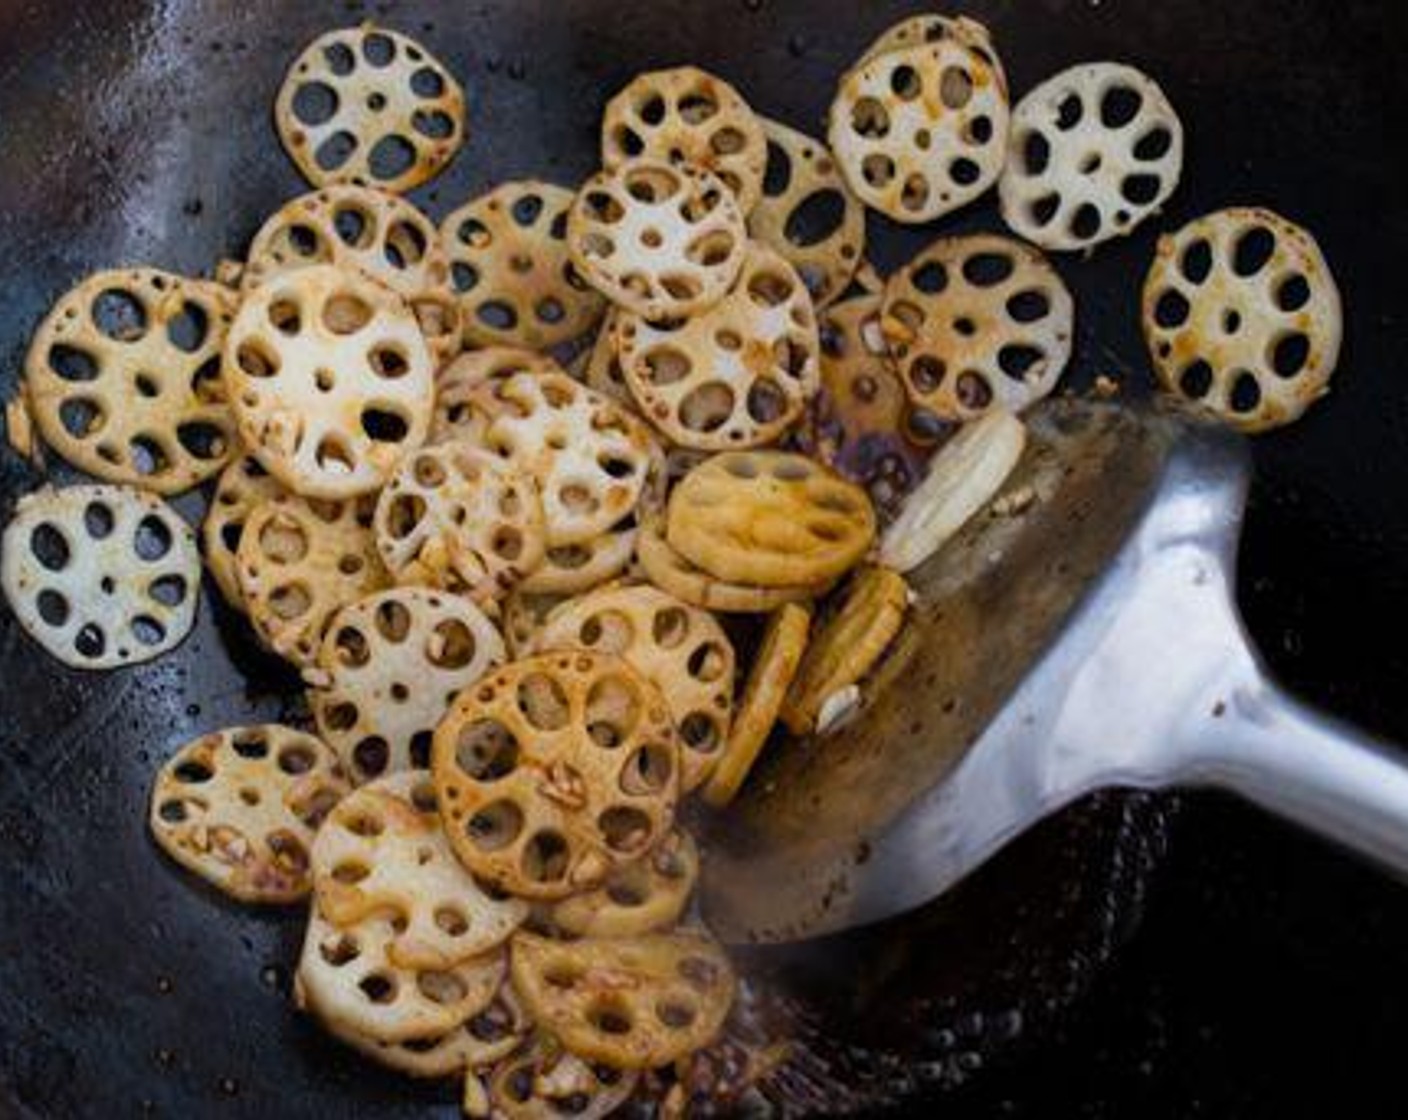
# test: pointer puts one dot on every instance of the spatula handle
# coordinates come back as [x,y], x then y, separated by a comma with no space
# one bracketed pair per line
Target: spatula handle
[1308,768]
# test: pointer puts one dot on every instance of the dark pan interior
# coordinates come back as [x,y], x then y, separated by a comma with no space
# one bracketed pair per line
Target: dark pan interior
[139,132]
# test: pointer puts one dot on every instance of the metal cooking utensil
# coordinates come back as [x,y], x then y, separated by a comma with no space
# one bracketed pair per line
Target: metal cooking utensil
[1089,640]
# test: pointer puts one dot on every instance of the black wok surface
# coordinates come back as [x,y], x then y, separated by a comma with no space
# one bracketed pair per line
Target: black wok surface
[1268,977]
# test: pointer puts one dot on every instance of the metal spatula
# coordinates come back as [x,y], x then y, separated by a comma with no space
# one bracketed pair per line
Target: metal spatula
[1090,639]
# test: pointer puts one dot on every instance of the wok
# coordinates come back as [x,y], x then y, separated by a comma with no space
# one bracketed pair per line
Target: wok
[138,131]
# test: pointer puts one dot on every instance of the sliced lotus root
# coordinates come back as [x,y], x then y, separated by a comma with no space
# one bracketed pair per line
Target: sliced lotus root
[1243,318]
[100,576]
[635,1003]
[808,214]
[687,115]
[1095,150]
[464,390]
[512,273]
[774,668]
[299,562]
[930,28]
[921,131]
[770,518]
[524,613]
[737,375]
[847,645]
[638,898]
[389,667]
[544,1082]
[462,519]
[361,228]
[978,322]
[571,569]
[660,241]
[554,769]
[242,487]
[668,569]
[369,105]
[382,850]
[478,1043]
[590,456]
[602,371]
[331,380]
[681,648]
[123,378]
[239,808]
[345,977]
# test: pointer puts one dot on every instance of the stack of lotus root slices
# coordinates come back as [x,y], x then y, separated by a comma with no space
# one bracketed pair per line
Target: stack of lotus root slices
[501,489]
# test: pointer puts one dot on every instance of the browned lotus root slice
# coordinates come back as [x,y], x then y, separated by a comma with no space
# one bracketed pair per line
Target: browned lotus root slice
[362,228]
[389,667]
[462,519]
[299,562]
[687,115]
[770,518]
[347,980]
[681,648]
[738,375]
[774,668]
[638,898]
[591,458]
[331,380]
[978,322]
[668,569]
[464,390]
[634,1003]
[570,569]
[100,576]
[602,371]
[543,1082]
[382,850]
[512,274]
[478,1043]
[808,214]
[554,769]
[921,131]
[660,241]
[931,28]
[239,808]
[123,378]
[1243,318]
[369,105]
[243,486]
[847,645]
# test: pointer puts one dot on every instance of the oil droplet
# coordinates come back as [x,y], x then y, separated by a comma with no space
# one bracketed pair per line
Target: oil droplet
[164,985]
[229,1086]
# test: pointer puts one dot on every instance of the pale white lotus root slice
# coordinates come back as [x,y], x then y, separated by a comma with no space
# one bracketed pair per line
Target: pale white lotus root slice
[976,323]
[570,569]
[242,487]
[1243,318]
[808,213]
[100,576]
[299,562]
[382,850]
[512,274]
[331,380]
[240,808]
[369,230]
[462,519]
[345,977]
[736,376]
[591,457]
[369,105]
[640,897]
[929,28]
[545,1082]
[464,390]
[922,131]
[122,378]
[658,240]
[555,769]
[681,648]
[687,115]
[1094,151]
[389,667]
[635,1003]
